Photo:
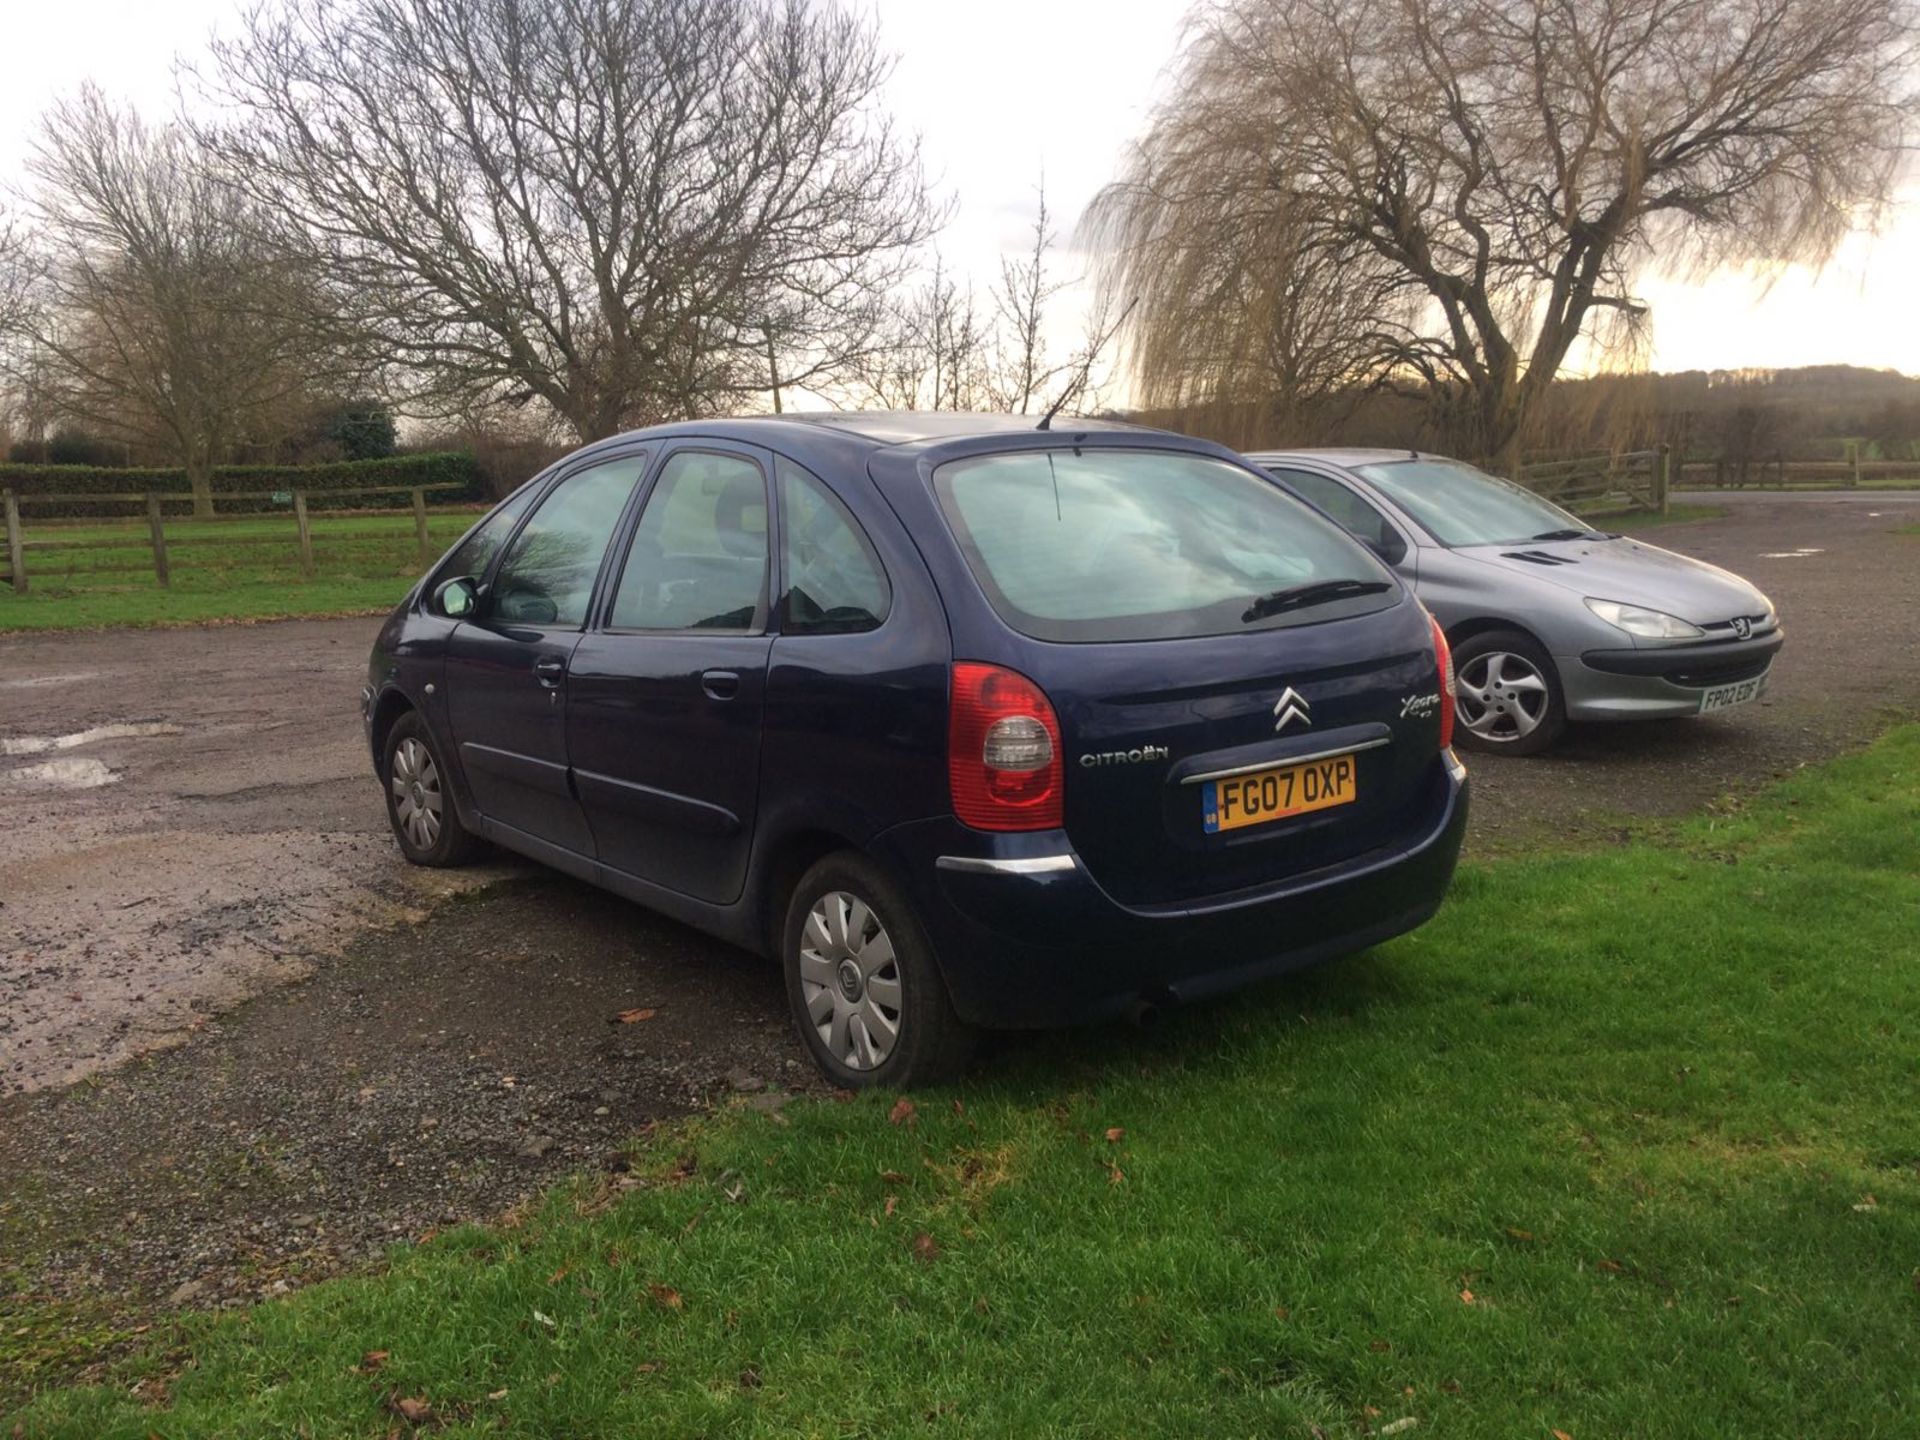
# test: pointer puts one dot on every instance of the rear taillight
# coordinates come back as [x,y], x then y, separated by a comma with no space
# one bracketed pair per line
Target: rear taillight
[1003,751]
[1443,656]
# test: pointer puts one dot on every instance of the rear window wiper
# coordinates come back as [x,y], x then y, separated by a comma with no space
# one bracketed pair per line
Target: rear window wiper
[1319,592]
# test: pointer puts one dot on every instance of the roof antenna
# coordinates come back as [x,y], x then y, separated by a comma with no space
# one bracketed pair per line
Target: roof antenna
[1078,383]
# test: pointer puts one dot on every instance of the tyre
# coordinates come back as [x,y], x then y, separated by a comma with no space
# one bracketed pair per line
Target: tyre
[866,995]
[419,807]
[1507,695]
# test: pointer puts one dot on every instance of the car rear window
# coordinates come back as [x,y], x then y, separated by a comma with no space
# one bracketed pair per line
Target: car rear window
[1146,545]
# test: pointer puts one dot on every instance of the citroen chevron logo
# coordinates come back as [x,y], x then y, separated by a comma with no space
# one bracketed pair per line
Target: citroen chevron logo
[1291,706]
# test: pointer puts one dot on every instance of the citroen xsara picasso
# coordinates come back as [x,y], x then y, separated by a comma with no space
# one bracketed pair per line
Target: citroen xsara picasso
[969,724]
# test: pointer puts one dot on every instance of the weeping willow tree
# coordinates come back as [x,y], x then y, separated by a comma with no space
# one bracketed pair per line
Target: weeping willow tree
[1460,195]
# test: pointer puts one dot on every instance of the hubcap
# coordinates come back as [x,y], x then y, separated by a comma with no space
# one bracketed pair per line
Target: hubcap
[850,981]
[416,794]
[1501,697]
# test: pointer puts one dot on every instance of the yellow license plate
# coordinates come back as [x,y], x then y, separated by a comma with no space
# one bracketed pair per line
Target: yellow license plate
[1278,793]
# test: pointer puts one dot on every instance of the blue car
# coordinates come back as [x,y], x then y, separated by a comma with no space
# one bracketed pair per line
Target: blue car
[969,724]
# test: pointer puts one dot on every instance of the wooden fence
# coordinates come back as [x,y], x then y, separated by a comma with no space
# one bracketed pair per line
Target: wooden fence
[152,505]
[1604,482]
[1779,472]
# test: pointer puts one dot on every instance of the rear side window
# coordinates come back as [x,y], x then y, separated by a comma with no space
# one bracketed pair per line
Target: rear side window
[835,585]
[1147,545]
[1353,514]
[699,557]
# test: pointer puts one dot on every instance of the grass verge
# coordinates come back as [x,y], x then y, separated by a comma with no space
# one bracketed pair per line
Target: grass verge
[362,563]
[1622,1143]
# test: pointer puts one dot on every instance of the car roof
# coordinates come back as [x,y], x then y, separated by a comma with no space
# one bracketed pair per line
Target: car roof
[876,427]
[1349,457]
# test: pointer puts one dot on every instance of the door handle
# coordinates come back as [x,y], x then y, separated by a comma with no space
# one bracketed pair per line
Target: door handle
[550,670]
[720,684]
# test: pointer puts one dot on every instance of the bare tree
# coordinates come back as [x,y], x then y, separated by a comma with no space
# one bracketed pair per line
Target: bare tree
[628,210]
[1023,369]
[932,350]
[158,301]
[1473,185]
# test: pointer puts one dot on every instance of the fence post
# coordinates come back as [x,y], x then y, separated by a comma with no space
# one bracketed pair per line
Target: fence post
[1662,478]
[306,533]
[420,522]
[1853,475]
[157,529]
[16,554]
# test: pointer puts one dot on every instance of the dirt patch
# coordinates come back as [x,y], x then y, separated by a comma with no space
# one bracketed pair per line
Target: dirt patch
[431,1073]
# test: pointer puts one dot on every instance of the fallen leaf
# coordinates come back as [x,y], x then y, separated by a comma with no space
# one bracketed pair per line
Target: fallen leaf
[413,1409]
[648,1367]
[893,1177]
[1561,1435]
[1452,1387]
[1466,1297]
[1115,1174]
[665,1296]
[1379,1347]
[1406,1422]
[892,1201]
[1281,1312]
[1612,1267]
[1520,1234]
[636,1015]
[1115,1134]
[925,1247]
[541,1318]
[559,1275]
[499,1394]
[958,1108]
[373,1360]
[902,1112]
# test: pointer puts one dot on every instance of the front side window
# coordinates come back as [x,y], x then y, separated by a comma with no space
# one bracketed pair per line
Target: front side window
[1149,545]
[547,576]
[475,553]
[835,585]
[1465,506]
[699,556]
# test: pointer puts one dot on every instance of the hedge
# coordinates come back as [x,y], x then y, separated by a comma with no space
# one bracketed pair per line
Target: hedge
[402,472]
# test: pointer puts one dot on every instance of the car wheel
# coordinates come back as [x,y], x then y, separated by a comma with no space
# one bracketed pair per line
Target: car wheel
[1506,695]
[419,807]
[866,995]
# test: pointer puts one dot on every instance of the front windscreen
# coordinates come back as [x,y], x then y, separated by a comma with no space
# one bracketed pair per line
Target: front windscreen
[1149,545]
[1464,506]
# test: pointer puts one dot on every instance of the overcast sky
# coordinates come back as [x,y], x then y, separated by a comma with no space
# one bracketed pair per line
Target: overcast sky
[999,89]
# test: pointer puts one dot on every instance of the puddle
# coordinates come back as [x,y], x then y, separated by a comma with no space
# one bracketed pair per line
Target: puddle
[1800,554]
[40,682]
[42,744]
[63,775]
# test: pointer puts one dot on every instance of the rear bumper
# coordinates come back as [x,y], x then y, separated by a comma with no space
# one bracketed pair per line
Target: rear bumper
[1660,681]
[1025,935]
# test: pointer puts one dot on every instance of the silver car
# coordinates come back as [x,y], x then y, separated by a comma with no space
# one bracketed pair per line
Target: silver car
[1550,619]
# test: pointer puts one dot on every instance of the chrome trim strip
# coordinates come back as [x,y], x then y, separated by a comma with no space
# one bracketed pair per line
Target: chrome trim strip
[1023,865]
[1288,760]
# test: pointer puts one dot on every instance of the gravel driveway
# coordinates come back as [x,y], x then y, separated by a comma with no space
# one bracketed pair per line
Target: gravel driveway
[449,1043]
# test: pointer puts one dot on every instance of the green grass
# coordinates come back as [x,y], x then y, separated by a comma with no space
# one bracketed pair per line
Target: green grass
[1652,519]
[1623,1143]
[361,562]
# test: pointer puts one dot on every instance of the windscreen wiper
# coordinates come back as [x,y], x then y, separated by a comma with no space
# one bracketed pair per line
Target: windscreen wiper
[1319,592]
[1571,535]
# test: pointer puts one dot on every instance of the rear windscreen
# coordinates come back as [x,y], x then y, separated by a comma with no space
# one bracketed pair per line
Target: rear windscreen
[1148,545]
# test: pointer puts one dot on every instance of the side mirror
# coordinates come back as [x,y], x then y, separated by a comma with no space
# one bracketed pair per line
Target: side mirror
[456,598]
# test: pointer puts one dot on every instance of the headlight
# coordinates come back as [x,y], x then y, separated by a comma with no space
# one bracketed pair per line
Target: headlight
[1647,624]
